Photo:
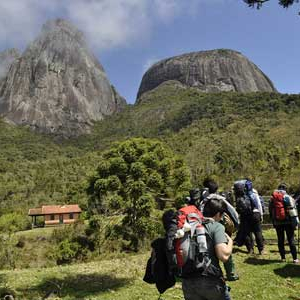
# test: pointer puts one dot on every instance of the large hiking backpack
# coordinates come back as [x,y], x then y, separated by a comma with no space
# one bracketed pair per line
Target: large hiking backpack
[243,200]
[278,205]
[190,242]
[244,205]
[187,247]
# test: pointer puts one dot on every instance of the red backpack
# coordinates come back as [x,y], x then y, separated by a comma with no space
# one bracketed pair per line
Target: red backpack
[189,221]
[278,205]
[187,244]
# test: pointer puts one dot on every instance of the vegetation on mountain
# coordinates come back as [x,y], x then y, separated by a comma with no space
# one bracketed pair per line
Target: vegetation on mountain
[225,135]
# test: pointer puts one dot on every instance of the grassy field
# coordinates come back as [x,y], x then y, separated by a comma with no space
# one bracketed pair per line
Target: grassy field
[261,277]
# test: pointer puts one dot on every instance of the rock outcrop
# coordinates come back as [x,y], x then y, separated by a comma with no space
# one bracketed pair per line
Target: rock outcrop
[58,86]
[209,71]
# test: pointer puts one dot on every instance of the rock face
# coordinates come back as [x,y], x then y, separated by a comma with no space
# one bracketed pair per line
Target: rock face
[210,71]
[57,85]
[7,57]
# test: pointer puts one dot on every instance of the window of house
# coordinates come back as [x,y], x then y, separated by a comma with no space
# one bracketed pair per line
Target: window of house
[71,216]
[52,217]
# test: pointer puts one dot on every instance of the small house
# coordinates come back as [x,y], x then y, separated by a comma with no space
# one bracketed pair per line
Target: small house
[55,214]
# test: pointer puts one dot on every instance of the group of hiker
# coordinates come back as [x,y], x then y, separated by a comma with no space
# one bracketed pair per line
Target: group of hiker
[199,236]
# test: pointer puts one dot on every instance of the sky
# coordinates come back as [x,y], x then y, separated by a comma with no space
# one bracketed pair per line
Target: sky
[128,36]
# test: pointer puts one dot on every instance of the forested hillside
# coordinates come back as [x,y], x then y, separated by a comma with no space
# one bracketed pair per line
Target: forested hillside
[225,135]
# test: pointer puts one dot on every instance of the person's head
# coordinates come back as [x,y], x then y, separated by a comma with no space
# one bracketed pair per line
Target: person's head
[211,185]
[214,208]
[194,195]
[282,186]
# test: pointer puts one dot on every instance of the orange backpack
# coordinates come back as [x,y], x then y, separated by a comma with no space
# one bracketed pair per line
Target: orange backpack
[278,205]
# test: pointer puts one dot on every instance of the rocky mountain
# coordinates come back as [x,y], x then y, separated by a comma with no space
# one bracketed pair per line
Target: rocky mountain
[7,57]
[209,71]
[57,85]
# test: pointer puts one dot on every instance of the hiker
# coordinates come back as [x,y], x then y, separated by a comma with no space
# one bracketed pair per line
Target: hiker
[205,286]
[284,217]
[249,207]
[230,220]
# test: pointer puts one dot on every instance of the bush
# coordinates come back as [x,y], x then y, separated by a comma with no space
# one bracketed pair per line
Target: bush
[70,243]
[13,222]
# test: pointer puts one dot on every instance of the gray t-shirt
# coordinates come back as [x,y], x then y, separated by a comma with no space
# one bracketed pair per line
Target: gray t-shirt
[216,233]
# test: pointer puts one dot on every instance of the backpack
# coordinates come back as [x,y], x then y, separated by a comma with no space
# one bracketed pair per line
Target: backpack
[189,255]
[239,188]
[244,205]
[243,201]
[278,205]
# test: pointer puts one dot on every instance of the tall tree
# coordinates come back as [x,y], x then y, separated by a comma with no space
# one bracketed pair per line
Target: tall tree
[131,175]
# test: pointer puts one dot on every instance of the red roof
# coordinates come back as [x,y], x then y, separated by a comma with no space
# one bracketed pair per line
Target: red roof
[54,209]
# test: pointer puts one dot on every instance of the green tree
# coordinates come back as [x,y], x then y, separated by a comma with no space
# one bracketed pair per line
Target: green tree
[129,178]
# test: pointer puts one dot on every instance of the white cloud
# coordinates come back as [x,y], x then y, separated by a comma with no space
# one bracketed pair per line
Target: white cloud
[110,24]
[168,9]
[106,23]
[20,21]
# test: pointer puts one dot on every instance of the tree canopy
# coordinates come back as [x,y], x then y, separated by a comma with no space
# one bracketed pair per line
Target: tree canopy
[259,3]
[131,175]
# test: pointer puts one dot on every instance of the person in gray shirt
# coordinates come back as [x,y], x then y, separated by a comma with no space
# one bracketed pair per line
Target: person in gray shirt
[207,287]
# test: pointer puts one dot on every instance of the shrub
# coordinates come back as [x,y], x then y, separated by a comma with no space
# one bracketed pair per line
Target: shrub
[70,243]
[13,222]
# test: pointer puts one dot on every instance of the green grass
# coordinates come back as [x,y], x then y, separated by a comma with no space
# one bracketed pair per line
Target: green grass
[37,232]
[261,278]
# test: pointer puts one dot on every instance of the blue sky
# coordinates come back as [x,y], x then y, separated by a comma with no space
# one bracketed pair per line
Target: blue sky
[127,36]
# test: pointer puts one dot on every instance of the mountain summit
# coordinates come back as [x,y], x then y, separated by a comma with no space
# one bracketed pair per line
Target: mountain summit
[57,85]
[209,71]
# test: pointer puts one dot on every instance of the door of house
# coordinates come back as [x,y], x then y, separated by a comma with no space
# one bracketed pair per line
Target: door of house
[61,219]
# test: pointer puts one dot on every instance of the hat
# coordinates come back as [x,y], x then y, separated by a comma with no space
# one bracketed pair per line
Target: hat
[282,186]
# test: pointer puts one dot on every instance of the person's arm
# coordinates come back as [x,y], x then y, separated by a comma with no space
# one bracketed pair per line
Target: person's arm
[223,250]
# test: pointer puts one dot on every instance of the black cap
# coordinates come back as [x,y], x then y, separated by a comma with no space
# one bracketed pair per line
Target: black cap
[282,186]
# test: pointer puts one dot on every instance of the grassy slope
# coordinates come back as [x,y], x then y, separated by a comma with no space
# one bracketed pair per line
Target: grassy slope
[261,277]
